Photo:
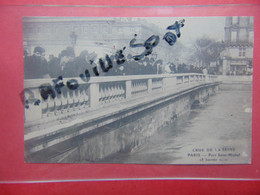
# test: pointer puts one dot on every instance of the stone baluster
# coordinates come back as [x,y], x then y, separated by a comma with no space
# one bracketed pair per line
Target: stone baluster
[50,106]
[180,80]
[122,92]
[105,90]
[58,104]
[75,99]
[83,96]
[109,93]
[44,107]
[186,79]
[64,99]
[70,100]
[116,92]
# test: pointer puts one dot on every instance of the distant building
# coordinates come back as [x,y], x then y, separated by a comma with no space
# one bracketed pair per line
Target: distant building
[99,35]
[239,39]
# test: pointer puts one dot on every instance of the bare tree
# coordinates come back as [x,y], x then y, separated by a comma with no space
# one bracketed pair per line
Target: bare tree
[207,50]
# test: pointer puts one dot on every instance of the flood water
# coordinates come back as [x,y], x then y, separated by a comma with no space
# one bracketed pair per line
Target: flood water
[216,132]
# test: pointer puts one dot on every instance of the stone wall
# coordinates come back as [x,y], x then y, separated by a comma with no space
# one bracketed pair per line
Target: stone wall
[130,132]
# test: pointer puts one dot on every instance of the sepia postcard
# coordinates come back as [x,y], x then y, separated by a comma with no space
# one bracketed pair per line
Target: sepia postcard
[162,90]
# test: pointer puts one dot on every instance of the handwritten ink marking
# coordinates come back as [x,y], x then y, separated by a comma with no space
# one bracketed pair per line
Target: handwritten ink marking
[120,58]
[46,90]
[85,77]
[149,44]
[103,66]
[95,71]
[133,44]
[72,84]
[30,100]
[176,26]
[170,38]
[58,86]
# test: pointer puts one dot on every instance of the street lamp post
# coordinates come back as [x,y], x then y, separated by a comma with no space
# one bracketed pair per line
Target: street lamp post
[73,38]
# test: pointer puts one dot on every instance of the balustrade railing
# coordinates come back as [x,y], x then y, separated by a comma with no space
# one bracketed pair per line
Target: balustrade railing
[157,83]
[99,92]
[111,91]
[139,86]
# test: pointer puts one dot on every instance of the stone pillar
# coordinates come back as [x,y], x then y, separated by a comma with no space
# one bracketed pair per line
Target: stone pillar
[128,89]
[94,95]
[33,104]
[207,78]
[149,85]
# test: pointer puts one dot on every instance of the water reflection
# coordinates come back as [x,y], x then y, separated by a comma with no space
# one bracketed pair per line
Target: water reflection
[222,122]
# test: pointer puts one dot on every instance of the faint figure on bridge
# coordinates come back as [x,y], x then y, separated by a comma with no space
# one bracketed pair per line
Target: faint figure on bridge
[172,67]
[147,66]
[116,70]
[168,69]
[82,63]
[86,66]
[92,57]
[63,65]
[25,53]
[205,71]
[130,67]
[158,65]
[70,68]
[36,66]
[71,53]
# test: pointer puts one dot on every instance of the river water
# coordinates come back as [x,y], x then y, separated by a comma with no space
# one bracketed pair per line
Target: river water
[216,132]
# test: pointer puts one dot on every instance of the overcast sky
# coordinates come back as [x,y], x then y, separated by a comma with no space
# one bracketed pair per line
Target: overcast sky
[195,27]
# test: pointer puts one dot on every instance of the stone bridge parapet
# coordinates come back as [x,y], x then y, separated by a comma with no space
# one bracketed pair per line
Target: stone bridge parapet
[74,114]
